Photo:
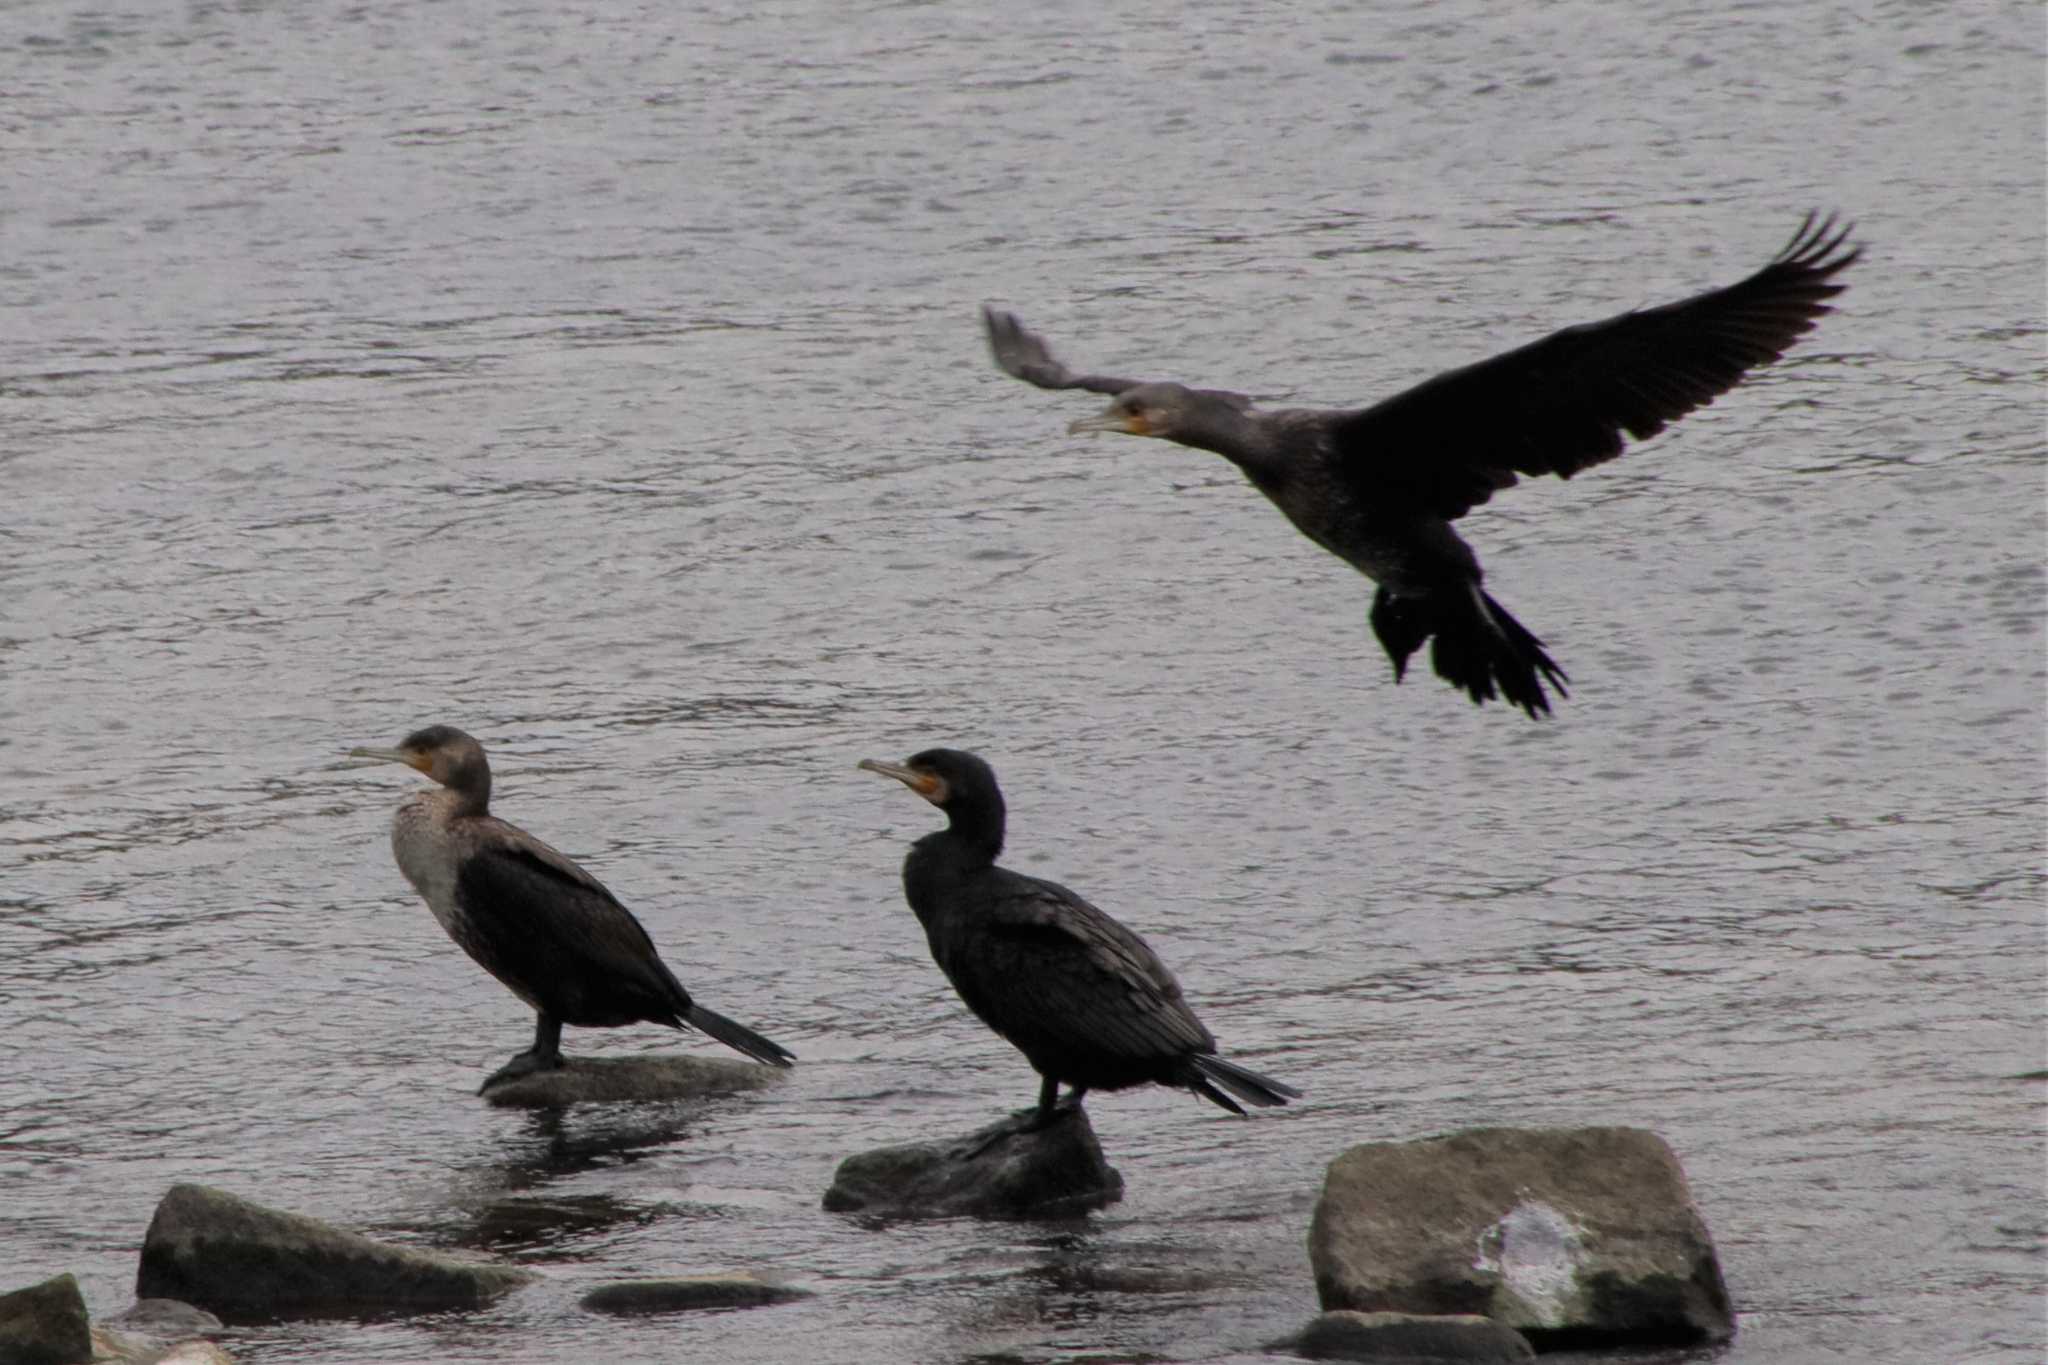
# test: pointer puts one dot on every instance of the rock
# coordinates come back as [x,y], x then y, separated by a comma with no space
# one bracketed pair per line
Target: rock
[1408,1337]
[165,1319]
[741,1290]
[157,1332]
[1575,1237]
[614,1080]
[190,1353]
[1054,1172]
[119,1348]
[45,1324]
[1089,1277]
[249,1263]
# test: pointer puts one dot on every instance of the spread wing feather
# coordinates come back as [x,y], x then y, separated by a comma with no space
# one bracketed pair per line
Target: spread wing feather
[1562,404]
[1024,355]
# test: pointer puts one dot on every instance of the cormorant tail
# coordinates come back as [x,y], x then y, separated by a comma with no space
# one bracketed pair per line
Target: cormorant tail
[1246,1084]
[1479,646]
[738,1037]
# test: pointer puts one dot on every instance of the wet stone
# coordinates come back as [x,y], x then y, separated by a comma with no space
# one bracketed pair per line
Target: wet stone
[691,1294]
[1408,1337]
[1056,1172]
[249,1263]
[45,1324]
[111,1347]
[164,1319]
[1574,1237]
[620,1080]
[158,1332]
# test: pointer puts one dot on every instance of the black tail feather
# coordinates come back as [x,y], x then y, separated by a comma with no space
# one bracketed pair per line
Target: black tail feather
[738,1037]
[1479,647]
[1246,1084]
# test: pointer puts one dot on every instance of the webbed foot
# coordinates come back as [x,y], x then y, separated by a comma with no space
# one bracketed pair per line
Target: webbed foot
[1034,1120]
[526,1063]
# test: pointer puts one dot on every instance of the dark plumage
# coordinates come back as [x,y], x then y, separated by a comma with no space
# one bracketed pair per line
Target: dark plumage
[1379,487]
[1082,997]
[530,916]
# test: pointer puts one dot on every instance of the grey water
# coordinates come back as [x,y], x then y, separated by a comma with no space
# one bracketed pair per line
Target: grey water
[605,378]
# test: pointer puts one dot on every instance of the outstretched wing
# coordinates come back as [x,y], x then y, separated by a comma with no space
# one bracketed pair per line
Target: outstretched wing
[1024,355]
[558,938]
[1059,978]
[1562,403]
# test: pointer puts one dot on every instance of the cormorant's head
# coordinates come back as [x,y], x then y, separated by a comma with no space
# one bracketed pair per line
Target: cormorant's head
[443,753]
[958,783]
[1170,411]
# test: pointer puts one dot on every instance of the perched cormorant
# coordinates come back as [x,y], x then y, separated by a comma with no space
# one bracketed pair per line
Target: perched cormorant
[530,916]
[1379,487]
[1082,997]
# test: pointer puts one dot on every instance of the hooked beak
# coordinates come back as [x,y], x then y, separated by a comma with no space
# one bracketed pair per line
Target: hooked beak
[1109,419]
[928,785]
[410,760]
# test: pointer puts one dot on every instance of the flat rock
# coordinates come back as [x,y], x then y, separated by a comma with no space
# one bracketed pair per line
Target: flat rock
[616,1080]
[45,1324]
[1574,1237]
[249,1263]
[1408,1337]
[1055,1172]
[1075,1277]
[691,1293]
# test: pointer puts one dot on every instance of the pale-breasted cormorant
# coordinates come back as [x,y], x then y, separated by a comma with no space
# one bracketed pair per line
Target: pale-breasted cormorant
[530,916]
[1082,997]
[1379,487]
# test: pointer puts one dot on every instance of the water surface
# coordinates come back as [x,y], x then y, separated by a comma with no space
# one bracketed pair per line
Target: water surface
[605,379]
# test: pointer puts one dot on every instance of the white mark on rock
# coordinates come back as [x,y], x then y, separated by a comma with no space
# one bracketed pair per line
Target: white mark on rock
[1536,1251]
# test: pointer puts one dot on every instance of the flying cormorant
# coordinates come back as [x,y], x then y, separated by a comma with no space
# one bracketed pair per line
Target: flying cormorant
[530,916]
[1379,487]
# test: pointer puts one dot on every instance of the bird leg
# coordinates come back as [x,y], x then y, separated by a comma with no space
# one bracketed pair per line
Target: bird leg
[544,1055]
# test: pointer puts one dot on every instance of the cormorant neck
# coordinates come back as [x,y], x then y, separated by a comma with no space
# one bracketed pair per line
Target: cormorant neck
[1236,435]
[472,796]
[974,824]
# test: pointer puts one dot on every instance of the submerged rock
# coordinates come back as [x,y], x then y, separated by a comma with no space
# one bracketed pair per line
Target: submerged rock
[45,1324]
[246,1262]
[1054,1172]
[740,1290]
[1408,1337]
[158,1332]
[165,1319]
[615,1080]
[1575,1237]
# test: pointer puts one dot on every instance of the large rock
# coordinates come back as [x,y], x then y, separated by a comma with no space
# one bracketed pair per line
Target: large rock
[614,1080]
[249,1263]
[1574,1237]
[741,1290]
[1408,1337]
[1054,1172]
[45,1324]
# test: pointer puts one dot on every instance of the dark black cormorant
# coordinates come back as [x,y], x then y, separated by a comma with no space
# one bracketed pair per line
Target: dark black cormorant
[530,916]
[1379,487]
[1083,998]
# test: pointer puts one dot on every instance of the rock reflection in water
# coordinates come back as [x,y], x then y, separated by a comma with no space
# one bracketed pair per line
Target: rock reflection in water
[512,1208]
